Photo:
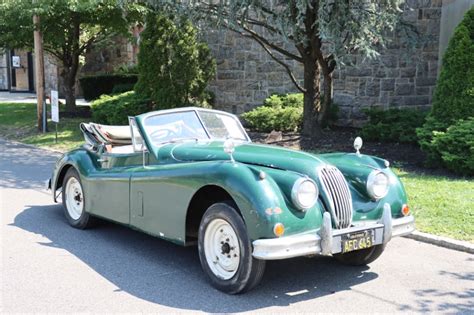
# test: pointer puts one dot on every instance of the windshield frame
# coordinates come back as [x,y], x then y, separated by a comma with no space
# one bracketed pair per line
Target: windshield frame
[197,111]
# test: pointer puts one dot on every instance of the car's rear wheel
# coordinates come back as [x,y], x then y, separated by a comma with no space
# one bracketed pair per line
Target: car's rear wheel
[74,201]
[225,251]
[361,257]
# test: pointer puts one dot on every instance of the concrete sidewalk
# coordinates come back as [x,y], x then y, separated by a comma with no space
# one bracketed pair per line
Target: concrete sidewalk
[8,97]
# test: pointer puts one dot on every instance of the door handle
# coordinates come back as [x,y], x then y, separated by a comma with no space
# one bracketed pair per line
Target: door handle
[102,160]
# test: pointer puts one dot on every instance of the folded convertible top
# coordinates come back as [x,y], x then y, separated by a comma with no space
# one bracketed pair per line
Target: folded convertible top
[104,134]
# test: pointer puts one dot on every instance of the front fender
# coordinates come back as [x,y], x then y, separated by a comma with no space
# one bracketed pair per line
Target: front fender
[265,201]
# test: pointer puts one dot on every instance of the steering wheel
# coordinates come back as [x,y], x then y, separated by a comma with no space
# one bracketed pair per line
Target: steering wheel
[162,134]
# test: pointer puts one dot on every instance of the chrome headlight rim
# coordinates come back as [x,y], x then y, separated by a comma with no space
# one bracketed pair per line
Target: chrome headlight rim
[296,190]
[371,185]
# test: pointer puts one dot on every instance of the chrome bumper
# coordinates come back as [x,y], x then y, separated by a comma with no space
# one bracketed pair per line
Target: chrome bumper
[327,241]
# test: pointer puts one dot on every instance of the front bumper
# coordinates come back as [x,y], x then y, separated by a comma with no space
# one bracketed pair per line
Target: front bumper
[327,241]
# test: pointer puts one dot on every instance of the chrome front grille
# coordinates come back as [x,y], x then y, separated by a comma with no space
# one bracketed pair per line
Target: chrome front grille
[338,195]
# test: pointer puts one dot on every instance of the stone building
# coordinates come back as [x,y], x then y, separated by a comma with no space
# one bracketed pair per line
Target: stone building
[246,75]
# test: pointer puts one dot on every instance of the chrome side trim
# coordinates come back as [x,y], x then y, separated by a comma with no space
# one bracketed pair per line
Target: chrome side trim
[326,240]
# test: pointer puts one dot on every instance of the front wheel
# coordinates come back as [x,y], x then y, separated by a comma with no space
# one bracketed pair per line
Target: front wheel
[361,257]
[225,251]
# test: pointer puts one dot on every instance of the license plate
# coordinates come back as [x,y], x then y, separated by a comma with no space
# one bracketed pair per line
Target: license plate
[358,240]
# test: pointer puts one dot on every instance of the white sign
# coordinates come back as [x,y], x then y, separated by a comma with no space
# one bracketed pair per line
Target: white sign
[16,62]
[54,106]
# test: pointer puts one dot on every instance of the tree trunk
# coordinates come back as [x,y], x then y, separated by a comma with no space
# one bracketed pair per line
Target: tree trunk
[323,115]
[312,102]
[69,81]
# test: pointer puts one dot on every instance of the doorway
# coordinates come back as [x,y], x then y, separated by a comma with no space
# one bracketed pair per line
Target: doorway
[21,71]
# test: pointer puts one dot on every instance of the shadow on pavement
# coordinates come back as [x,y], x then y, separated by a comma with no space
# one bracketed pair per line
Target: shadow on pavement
[170,275]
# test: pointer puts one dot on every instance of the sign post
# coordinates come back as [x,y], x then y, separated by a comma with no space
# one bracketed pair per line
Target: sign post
[55,111]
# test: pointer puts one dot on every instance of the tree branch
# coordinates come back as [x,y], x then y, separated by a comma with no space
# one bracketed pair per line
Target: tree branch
[270,53]
[270,44]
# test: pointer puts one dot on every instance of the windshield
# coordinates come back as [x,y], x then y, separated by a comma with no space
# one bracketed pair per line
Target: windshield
[187,125]
[221,126]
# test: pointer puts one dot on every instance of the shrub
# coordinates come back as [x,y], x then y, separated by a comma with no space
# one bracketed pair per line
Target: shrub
[393,125]
[456,146]
[94,86]
[122,88]
[281,112]
[266,118]
[126,69]
[174,67]
[285,100]
[115,109]
[453,97]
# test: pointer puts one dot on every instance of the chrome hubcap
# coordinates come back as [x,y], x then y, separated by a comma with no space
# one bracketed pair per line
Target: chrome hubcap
[221,247]
[74,198]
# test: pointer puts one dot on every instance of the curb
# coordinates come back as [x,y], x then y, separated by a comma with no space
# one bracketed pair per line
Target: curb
[442,241]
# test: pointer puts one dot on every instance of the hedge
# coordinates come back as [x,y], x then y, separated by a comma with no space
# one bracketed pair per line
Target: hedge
[96,85]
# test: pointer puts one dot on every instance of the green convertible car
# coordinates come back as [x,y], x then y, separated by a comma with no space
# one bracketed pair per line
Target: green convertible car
[193,176]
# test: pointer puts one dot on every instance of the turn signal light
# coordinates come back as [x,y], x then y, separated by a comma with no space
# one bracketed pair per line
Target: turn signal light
[279,229]
[405,210]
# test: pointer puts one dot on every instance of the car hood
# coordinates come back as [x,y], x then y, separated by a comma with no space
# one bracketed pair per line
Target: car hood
[249,153]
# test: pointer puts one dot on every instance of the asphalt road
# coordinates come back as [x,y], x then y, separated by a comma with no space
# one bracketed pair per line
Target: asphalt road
[47,266]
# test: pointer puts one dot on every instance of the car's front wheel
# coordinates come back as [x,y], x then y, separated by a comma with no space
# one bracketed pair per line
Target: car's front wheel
[361,257]
[225,251]
[74,201]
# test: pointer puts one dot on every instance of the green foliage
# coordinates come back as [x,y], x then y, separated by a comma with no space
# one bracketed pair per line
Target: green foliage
[281,112]
[122,88]
[115,109]
[393,125]
[126,69]
[453,98]
[285,100]
[94,86]
[266,119]
[456,146]
[69,29]
[425,140]
[174,66]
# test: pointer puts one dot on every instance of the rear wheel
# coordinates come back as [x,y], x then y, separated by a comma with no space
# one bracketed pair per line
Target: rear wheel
[74,201]
[225,251]
[361,257]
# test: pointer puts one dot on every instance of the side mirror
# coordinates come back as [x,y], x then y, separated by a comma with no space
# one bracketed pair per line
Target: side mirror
[358,144]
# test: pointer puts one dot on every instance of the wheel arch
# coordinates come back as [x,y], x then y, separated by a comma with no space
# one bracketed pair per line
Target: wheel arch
[60,178]
[202,199]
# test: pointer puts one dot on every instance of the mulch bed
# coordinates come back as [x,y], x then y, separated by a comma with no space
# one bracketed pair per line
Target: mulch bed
[341,139]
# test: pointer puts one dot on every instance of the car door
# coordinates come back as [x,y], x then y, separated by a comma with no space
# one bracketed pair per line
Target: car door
[110,186]
[158,201]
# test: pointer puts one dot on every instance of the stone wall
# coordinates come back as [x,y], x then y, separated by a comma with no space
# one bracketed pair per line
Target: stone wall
[246,74]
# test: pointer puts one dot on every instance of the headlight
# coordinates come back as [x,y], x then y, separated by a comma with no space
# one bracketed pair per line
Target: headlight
[304,193]
[377,184]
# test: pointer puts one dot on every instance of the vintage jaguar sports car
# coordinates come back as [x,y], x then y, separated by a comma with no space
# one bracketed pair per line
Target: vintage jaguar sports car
[192,176]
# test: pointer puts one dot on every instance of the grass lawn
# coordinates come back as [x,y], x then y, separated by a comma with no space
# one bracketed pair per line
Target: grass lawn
[441,205]
[18,120]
